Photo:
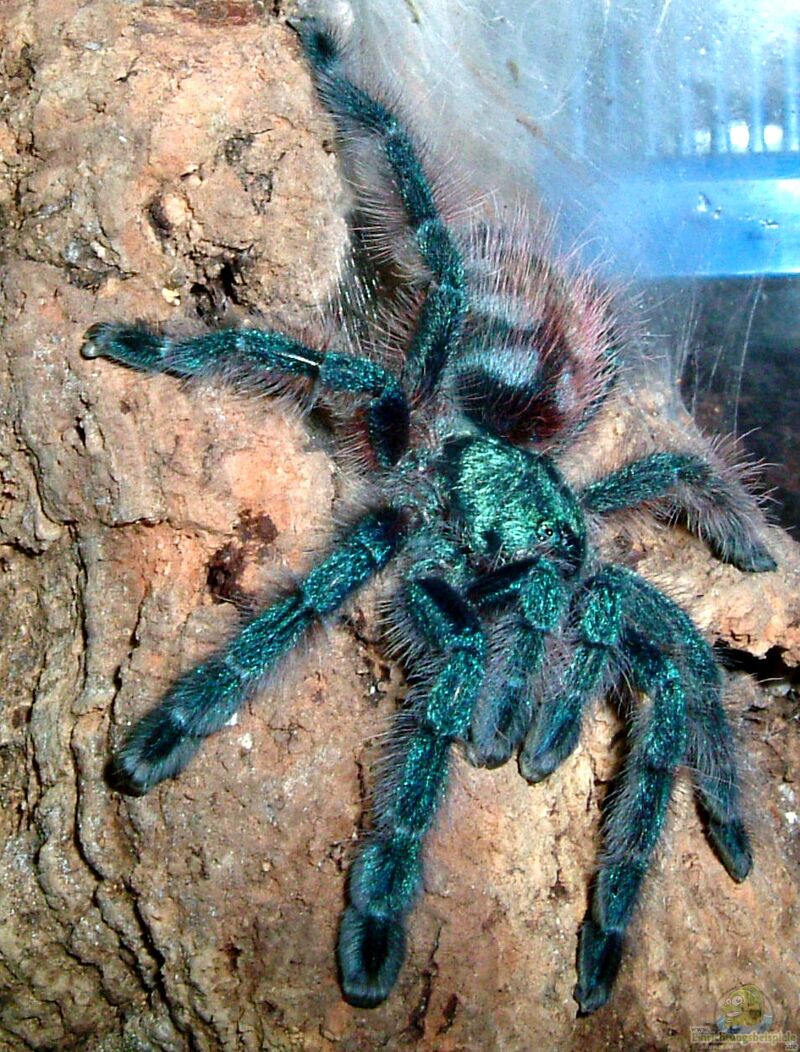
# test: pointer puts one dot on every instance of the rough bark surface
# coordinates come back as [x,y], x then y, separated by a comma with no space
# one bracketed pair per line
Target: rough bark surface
[169,160]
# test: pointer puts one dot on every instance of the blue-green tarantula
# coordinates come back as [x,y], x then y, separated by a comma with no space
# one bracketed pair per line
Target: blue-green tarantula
[510,624]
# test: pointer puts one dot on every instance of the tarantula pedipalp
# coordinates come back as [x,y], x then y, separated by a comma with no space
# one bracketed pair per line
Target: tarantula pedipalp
[506,362]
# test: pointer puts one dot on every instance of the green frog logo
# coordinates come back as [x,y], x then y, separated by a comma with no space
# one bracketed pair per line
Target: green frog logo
[743,1010]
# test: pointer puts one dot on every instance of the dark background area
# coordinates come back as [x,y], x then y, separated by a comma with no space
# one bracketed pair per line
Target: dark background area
[739,360]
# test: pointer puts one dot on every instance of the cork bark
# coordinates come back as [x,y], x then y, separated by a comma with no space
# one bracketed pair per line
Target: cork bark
[169,161]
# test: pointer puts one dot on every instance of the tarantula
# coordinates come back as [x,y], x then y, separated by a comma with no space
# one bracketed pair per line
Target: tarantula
[511,624]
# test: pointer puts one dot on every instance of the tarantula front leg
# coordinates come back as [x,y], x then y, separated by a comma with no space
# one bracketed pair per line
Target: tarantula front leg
[442,316]
[503,713]
[717,509]
[248,354]
[623,621]
[164,740]
[556,728]
[385,877]
[635,820]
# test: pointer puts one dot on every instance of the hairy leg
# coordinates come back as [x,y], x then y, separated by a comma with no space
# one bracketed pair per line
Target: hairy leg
[717,509]
[537,596]
[635,820]
[442,316]
[615,595]
[386,876]
[620,615]
[711,753]
[504,710]
[164,740]
[556,727]
[252,354]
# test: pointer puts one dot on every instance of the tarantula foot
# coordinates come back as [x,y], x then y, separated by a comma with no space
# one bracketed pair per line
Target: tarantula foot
[536,767]
[489,756]
[152,752]
[94,340]
[599,956]
[371,952]
[546,748]
[756,560]
[747,554]
[133,345]
[319,43]
[731,843]
[100,338]
[125,777]
[536,764]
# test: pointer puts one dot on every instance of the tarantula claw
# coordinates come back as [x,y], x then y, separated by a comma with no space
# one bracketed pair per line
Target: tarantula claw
[599,956]
[491,757]
[750,557]
[132,772]
[535,768]
[157,748]
[539,758]
[95,339]
[123,779]
[371,952]
[133,345]
[731,844]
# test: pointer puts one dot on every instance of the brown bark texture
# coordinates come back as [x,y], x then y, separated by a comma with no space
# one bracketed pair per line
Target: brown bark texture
[170,160]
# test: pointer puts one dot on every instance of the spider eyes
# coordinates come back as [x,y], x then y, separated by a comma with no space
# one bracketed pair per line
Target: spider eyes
[546,531]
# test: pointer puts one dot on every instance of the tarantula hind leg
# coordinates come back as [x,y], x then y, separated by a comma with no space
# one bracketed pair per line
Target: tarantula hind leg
[250,356]
[386,875]
[636,818]
[200,703]
[717,508]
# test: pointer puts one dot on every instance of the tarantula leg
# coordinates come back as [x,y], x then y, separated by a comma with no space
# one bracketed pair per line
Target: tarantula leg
[388,414]
[718,509]
[164,740]
[636,818]
[252,355]
[556,728]
[442,316]
[386,876]
[711,754]
[504,710]
[142,348]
